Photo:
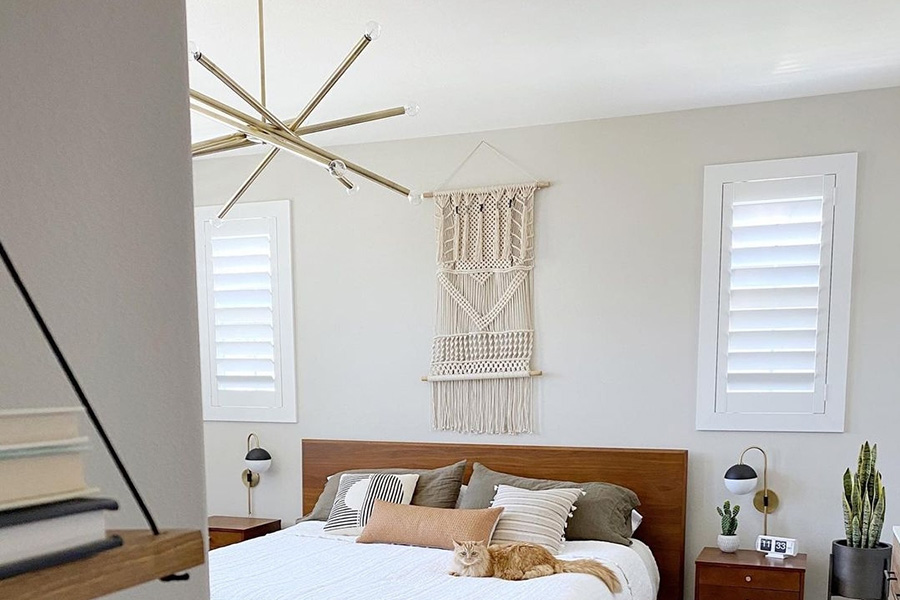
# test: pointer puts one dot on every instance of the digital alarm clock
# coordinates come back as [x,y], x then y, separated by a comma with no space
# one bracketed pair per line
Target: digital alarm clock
[776,547]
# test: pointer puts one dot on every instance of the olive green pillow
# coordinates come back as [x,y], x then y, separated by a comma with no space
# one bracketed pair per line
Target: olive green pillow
[603,513]
[438,488]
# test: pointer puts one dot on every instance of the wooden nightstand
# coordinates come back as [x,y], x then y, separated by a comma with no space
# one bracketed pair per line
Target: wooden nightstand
[231,530]
[748,575]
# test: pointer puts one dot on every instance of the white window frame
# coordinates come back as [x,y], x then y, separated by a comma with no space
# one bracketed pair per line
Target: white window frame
[284,407]
[832,419]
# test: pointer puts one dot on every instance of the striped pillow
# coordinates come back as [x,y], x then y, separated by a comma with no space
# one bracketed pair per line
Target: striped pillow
[357,494]
[534,516]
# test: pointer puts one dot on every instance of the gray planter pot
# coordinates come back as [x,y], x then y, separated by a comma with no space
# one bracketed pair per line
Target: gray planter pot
[859,572]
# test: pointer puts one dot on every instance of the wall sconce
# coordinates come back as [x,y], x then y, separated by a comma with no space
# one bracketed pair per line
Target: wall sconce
[258,460]
[742,479]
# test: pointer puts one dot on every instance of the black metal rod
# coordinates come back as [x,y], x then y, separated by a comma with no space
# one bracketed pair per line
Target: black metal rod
[77,387]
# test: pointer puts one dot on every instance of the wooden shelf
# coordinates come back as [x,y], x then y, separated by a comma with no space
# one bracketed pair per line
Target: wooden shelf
[143,557]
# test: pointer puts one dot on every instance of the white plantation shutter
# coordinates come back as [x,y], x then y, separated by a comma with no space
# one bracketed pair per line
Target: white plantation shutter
[245,307]
[775,297]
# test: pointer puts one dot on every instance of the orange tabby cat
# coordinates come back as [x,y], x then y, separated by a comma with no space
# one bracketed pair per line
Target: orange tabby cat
[522,561]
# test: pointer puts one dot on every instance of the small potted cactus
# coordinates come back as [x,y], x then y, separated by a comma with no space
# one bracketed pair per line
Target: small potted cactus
[728,541]
[859,562]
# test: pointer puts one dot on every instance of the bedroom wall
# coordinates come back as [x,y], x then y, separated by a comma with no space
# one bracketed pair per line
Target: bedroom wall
[96,211]
[617,288]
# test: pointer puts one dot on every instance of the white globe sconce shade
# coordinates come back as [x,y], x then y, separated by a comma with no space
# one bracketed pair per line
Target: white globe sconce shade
[741,479]
[258,460]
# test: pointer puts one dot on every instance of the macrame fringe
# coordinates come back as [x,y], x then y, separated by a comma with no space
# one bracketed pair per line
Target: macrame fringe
[501,406]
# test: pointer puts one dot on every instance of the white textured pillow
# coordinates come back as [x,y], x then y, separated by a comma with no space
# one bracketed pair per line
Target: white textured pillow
[356,496]
[534,516]
[462,490]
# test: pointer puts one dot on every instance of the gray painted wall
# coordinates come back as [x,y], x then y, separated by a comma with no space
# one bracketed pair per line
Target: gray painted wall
[95,210]
[617,292]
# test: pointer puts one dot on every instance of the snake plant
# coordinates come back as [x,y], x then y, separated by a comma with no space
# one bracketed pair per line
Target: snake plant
[729,518]
[864,501]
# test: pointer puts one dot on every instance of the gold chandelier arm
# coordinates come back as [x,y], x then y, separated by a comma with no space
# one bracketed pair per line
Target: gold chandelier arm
[262,55]
[329,83]
[275,139]
[363,172]
[355,120]
[216,141]
[248,182]
[234,144]
[237,89]
[231,112]
[232,141]
[296,123]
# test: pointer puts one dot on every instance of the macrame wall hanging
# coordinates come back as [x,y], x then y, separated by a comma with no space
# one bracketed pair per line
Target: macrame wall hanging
[481,376]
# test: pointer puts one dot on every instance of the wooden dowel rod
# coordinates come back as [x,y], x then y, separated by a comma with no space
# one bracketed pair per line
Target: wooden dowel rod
[530,374]
[540,185]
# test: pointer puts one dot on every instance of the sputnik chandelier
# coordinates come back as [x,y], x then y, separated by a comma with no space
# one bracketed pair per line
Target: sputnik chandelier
[287,135]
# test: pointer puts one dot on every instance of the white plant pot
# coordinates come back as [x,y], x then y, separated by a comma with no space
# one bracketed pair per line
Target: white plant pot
[728,543]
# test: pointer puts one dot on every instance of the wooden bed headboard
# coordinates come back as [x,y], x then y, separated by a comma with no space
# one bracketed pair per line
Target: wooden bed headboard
[659,477]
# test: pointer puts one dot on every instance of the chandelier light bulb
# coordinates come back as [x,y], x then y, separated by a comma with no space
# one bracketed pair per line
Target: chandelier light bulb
[193,50]
[337,168]
[411,109]
[415,197]
[373,31]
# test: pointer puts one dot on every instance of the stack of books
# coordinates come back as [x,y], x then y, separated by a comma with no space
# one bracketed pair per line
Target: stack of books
[48,514]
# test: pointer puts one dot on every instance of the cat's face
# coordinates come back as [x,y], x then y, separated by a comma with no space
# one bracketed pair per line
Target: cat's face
[469,553]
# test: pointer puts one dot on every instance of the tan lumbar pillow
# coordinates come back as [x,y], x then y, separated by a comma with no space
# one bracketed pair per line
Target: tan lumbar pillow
[427,526]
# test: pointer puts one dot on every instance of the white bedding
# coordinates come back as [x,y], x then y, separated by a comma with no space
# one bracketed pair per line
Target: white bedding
[302,562]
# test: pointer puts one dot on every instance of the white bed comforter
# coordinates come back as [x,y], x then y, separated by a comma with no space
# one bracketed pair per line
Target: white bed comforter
[302,562]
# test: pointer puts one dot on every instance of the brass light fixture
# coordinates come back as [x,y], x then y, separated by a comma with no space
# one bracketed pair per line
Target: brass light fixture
[741,479]
[287,135]
[258,460]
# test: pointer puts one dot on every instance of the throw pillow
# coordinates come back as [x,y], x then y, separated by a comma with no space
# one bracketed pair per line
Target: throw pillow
[603,514]
[534,516]
[356,496]
[436,487]
[428,527]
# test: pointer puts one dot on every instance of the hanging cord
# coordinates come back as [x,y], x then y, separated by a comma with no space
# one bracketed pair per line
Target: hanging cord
[262,54]
[73,381]
[465,161]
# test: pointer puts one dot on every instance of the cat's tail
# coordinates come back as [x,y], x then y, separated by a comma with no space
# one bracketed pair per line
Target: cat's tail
[595,568]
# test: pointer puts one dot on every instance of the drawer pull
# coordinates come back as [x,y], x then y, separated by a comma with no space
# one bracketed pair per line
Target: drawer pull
[890,575]
[748,579]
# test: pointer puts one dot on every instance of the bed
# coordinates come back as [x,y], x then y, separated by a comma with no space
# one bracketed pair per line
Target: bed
[303,562]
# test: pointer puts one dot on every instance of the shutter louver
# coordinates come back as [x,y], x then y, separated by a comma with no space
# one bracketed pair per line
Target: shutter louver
[774,295]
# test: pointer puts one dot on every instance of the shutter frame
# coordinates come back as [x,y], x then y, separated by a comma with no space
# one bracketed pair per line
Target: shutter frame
[822,408]
[245,310]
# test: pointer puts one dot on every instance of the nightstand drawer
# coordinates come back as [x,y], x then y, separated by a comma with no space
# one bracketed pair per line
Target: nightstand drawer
[715,592]
[748,578]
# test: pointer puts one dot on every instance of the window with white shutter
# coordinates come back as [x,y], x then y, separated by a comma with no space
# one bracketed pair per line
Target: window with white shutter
[245,307]
[775,294]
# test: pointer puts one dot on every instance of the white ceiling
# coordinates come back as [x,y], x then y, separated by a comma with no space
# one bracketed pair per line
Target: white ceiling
[476,65]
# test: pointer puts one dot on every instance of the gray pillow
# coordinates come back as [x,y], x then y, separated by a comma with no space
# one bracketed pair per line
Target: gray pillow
[438,488]
[604,513]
